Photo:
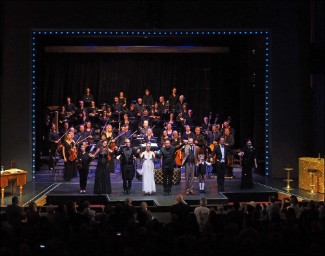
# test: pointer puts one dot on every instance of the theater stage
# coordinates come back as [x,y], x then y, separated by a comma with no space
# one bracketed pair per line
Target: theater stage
[49,188]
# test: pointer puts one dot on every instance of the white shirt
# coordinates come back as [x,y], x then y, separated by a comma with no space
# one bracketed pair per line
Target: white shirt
[222,148]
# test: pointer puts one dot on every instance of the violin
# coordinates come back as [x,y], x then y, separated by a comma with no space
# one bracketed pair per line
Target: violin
[73,154]
[111,146]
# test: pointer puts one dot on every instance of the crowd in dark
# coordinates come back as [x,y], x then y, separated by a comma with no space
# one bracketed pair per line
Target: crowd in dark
[241,229]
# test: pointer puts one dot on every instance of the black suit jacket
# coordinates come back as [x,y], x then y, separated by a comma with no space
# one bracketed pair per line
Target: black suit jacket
[218,153]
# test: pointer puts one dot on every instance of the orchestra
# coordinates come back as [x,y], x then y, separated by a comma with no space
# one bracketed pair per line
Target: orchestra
[140,121]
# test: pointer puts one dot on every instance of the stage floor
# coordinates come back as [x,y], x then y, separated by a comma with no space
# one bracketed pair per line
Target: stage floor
[48,184]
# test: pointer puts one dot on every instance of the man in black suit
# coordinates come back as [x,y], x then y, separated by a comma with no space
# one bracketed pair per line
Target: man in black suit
[168,164]
[128,154]
[221,151]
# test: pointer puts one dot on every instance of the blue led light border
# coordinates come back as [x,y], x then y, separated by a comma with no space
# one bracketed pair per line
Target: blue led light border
[262,32]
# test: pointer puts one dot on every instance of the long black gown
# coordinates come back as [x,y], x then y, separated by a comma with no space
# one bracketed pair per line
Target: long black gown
[102,178]
[248,164]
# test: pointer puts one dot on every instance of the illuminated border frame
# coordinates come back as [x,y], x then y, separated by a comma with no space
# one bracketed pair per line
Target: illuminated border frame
[262,32]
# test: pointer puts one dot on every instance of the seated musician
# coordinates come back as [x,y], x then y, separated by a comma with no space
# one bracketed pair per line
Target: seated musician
[90,131]
[205,126]
[145,117]
[189,117]
[125,120]
[162,105]
[175,141]
[149,138]
[139,107]
[109,132]
[180,103]
[155,110]
[69,107]
[145,127]
[103,119]
[92,110]
[63,128]
[123,135]
[187,134]
[117,107]
[163,138]
[79,112]
[122,99]
[132,115]
[171,119]
[84,117]
[199,139]
[169,130]
[227,125]
[81,135]
[147,99]
[87,98]
[229,138]
[63,115]
[214,135]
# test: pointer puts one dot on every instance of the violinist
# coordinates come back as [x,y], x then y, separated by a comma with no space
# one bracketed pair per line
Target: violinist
[54,142]
[69,153]
[102,178]
[110,138]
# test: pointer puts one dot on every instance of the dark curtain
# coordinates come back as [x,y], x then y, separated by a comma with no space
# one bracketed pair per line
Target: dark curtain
[108,74]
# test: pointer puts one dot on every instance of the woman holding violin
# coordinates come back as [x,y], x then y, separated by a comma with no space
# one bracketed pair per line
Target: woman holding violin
[69,152]
[110,136]
[102,178]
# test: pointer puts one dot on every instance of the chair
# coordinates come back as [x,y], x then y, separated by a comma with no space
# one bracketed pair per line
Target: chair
[234,161]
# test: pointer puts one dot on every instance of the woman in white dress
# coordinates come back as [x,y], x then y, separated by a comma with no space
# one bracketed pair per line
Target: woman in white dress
[147,171]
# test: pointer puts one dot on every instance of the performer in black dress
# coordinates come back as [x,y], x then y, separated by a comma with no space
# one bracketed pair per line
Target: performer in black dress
[102,178]
[83,162]
[69,153]
[248,155]
[128,155]
[168,164]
